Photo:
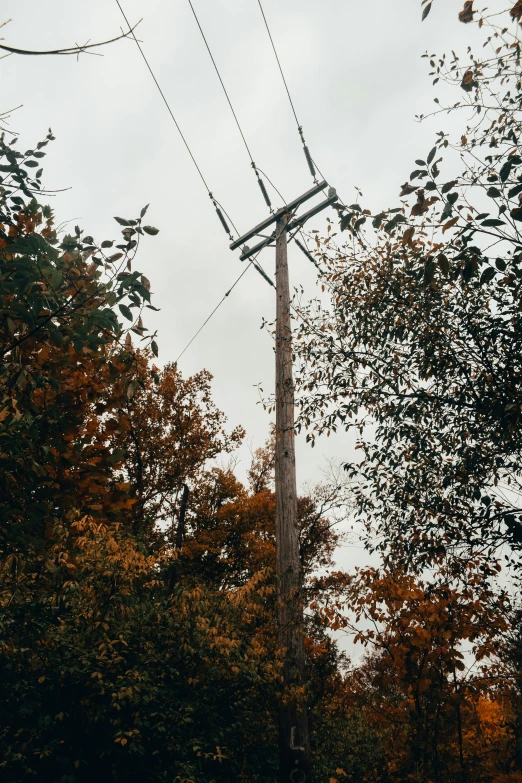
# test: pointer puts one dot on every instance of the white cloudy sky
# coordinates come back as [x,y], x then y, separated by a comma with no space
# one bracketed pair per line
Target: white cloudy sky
[357,80]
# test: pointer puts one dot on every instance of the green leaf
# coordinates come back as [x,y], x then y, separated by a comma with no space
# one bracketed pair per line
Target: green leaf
[122,221]
[515,191]
[31,163]
[154,347]
[506,169]
[125,311]
[432,154]
[488,274]
[151,230]
[494,193]
[493,222]
[143,211]
[426,12]
[346,221]
[448,186]
[107,243]
[516,213]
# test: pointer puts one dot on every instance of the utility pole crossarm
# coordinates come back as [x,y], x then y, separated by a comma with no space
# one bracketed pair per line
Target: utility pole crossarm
[276,216]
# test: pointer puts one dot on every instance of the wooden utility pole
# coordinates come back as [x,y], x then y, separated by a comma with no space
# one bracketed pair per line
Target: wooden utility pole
[294,740]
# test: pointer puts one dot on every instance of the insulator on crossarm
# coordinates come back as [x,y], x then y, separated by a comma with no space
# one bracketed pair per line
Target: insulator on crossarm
[223,222]
[307,253]
[263,191]
[262,273]
[309,160]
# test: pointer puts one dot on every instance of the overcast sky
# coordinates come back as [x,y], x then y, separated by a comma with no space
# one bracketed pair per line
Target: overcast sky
[357,80]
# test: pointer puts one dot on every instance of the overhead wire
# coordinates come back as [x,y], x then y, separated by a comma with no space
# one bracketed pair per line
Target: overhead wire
[311,162]
[306,151]
[254,263]
[312,165]
[252,163]
[219,209]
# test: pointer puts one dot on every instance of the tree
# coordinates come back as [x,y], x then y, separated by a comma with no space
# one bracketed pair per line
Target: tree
[169,430]
[421,345]
[433,668]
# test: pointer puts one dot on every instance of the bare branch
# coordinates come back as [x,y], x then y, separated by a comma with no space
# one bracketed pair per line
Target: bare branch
[71,50]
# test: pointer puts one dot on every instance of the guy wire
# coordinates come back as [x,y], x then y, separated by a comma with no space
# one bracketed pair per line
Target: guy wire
[216,308]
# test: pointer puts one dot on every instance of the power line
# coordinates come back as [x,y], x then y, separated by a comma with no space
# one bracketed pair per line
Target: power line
[256,171]
[279,63]
[306,151]
[216,308]
[221,80]
[185,142]
[312,165]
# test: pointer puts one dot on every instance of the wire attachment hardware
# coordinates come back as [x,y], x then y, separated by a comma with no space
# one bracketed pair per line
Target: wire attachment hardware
[262,188]
[307,154]
[307,253]
[221,217]
[262,273]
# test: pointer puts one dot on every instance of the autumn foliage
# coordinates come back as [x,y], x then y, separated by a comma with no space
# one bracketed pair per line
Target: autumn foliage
[137,569]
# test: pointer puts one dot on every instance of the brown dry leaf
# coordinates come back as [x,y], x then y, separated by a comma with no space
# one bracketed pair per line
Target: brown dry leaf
[467,81]
[516,11]
[450,224]
[407,189]
[466,15]
[464,140]
[423,204]
[408,236]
